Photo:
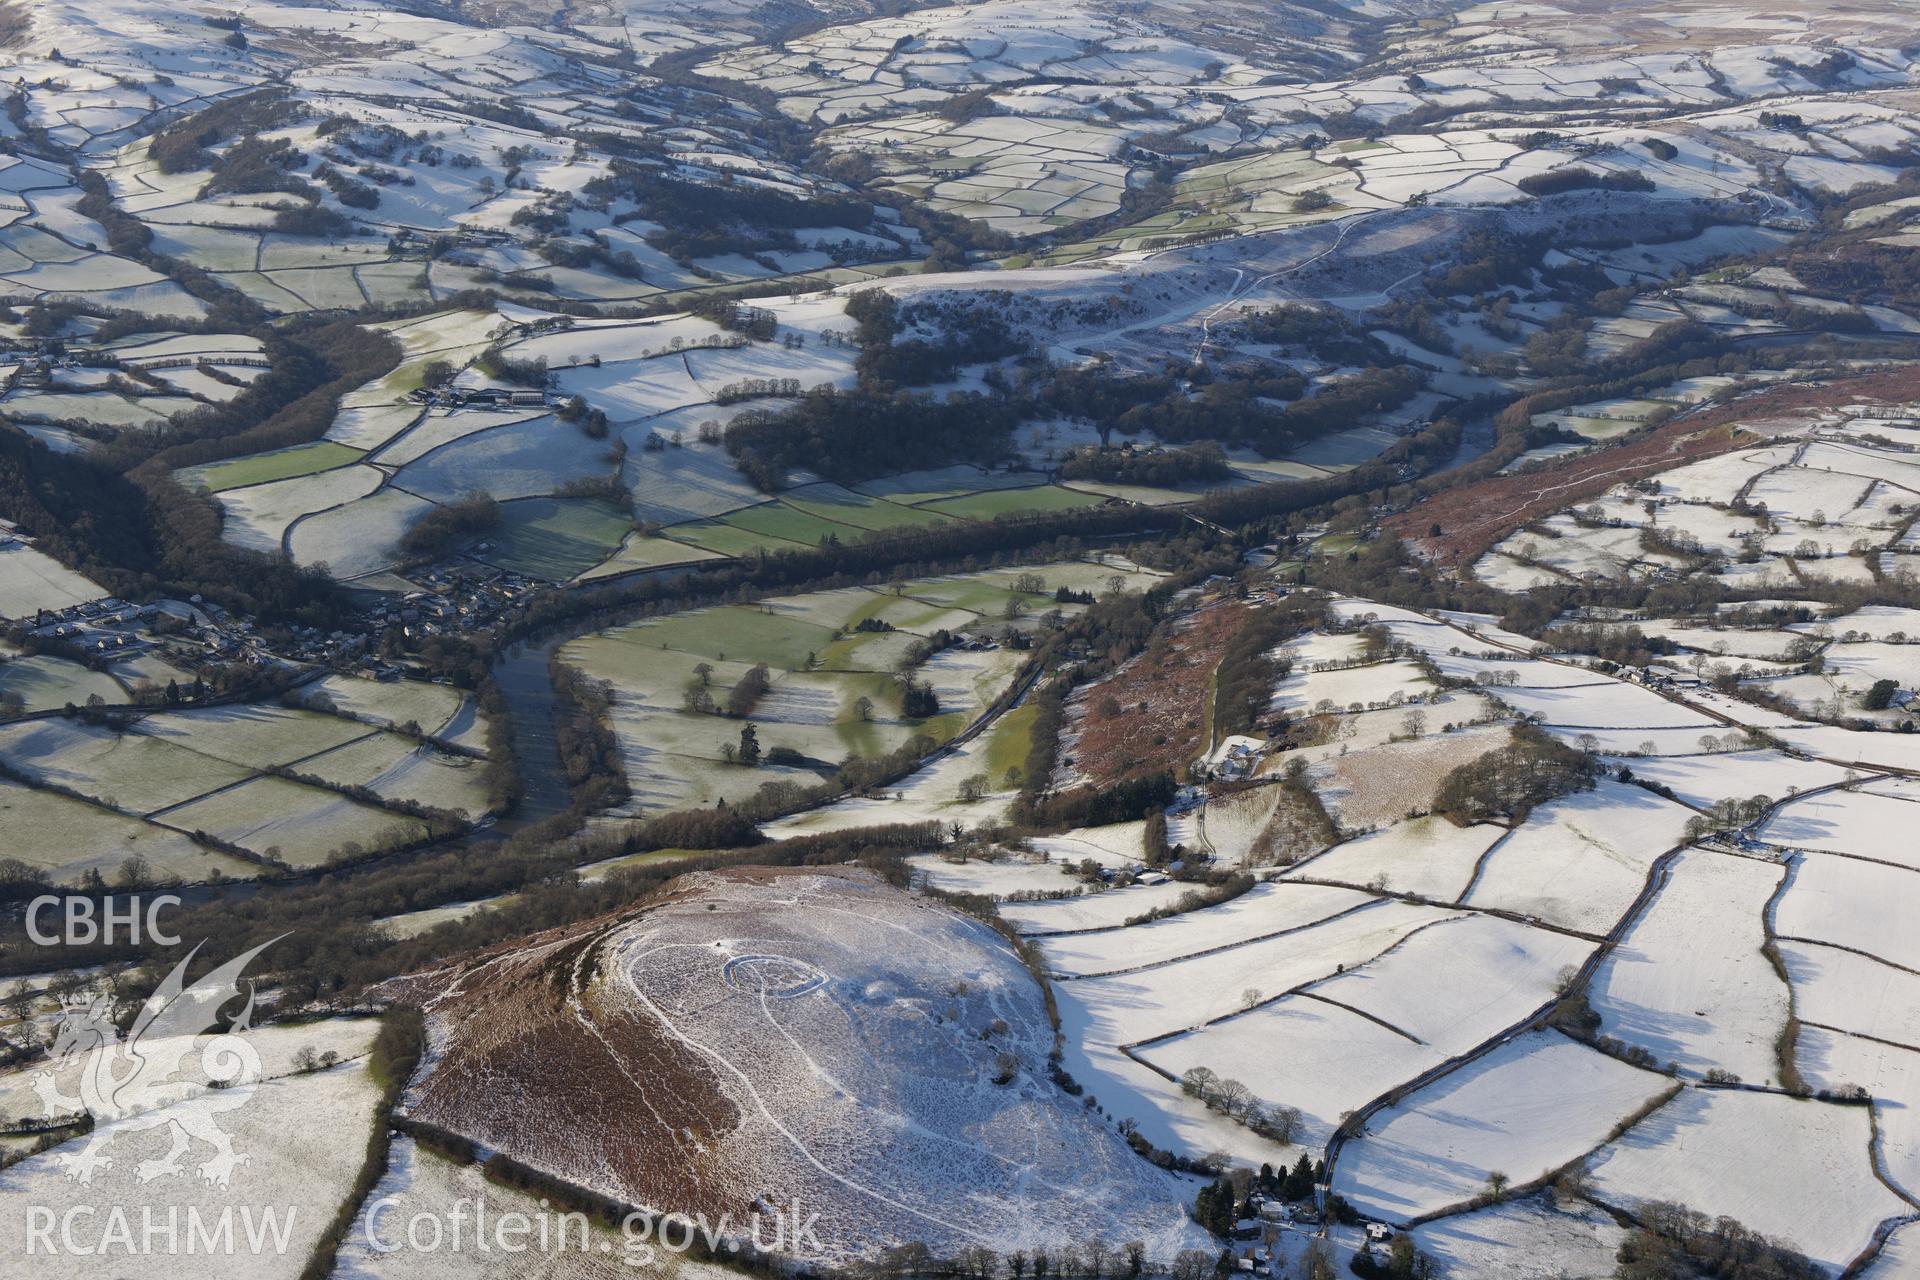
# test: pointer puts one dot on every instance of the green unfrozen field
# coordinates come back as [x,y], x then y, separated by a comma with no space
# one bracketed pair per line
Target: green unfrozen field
[728,539]
[46,683]
[868,651]
[1001,502]
[922,617]
[778,520]
[1147,495]
[738,632]
[638,552]
[1009,741]
[643,672]
[595,872]
[556,538]
[1336,544]
[281,464]
[411,924]
[198,771]
[837,609]
[302,826]
[68,837]
[674,758]
[256,736]
[832,502]
[131,771]
[979,595]
[1078,575]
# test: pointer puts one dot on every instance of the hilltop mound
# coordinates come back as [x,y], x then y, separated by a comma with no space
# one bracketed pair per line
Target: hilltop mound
[808,1038]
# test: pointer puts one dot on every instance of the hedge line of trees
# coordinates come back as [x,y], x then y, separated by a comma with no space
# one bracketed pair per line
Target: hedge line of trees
[397,1048]
[583,735]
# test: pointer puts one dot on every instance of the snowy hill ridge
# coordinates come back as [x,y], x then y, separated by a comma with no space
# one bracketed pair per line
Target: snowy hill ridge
[767,1038]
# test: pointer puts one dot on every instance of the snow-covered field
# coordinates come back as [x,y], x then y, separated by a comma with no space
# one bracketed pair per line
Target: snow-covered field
[1529,1107]
[1716,1149]
[1265,911]
[1249,203]
[1581,860]
[1857,823]
[1688,982]
[1842,901]
[1458,983]
[31,580]
[1704,780]
[1810,885]
[1526,1239]
[304,1138]
[1426,856]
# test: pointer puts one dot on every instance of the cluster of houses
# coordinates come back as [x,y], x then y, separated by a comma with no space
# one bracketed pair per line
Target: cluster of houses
[198,633]
[451,396]
[454,598]
[97,627]
[35,372]
[1650,677]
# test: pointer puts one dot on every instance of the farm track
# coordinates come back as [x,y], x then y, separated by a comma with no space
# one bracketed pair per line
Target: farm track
[1242,287]
[1480,863]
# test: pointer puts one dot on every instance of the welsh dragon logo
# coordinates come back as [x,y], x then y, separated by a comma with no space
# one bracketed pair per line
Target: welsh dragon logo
[146,1079]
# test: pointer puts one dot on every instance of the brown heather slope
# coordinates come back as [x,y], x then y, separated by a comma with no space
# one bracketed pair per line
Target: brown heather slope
[1475,516]
[1165,697]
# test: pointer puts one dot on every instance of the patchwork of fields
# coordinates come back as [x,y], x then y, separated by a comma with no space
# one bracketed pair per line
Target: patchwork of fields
[234,792]
[1518,919]
[1583,993]
[823,678]
[347,501]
